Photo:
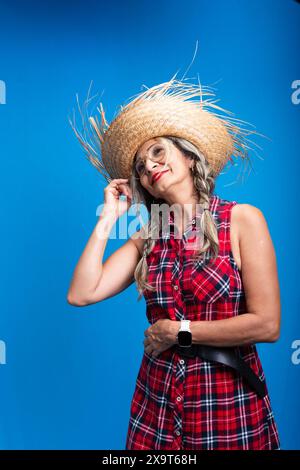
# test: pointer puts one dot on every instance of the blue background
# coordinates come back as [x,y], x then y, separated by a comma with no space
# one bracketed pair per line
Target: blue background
[59,388]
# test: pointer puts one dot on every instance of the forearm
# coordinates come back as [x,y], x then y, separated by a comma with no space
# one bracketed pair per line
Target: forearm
[247,328]
[88,271]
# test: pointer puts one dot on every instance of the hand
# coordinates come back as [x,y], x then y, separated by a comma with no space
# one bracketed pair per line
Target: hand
[112,192]
[161,336]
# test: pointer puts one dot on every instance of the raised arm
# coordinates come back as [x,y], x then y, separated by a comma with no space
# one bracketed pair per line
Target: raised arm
[94,280]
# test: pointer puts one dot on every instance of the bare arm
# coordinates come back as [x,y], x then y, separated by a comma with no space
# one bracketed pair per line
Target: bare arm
[261,323]
[89,268]
[94,280]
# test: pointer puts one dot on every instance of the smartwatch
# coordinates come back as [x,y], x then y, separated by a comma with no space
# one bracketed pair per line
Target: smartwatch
[184,336]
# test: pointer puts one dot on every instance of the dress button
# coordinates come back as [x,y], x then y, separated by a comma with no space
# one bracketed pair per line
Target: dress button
[178,398]
[193,221]
[181,361]
[177,432]
[176,287]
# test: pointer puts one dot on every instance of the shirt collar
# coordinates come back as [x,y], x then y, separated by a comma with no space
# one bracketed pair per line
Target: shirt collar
[191,222]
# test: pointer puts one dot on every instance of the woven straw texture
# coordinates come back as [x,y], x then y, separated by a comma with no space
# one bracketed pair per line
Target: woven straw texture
[174,108]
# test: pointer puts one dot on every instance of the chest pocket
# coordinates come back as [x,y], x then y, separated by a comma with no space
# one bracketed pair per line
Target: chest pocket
[155,259]
[209,279]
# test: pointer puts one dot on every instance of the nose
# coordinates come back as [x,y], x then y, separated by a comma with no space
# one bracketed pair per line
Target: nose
[150,166]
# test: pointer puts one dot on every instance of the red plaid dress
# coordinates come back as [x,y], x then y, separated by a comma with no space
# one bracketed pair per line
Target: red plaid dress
[190,403]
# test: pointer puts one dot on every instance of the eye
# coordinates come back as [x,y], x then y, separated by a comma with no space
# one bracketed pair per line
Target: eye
[157,150]
[139,167]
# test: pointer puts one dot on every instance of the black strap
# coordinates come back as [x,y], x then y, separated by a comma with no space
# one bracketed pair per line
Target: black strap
[227,356]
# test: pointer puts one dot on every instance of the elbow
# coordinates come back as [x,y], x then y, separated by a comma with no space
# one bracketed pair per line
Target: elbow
[273,333]
[75,301]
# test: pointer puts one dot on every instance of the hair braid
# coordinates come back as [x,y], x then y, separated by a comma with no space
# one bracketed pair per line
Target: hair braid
[204,184]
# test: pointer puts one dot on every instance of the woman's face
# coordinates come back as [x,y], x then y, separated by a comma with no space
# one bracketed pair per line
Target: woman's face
[161,167]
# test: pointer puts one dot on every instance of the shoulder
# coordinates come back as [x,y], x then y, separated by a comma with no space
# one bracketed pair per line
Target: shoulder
[247,219]
[239,211]
[246,213]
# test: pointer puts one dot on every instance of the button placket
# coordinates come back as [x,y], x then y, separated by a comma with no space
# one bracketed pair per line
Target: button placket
[180,366]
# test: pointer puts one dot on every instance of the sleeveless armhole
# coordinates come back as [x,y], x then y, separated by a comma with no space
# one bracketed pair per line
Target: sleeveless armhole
[231,257]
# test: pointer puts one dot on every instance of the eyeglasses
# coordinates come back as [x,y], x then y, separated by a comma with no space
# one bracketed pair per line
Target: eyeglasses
[157,154]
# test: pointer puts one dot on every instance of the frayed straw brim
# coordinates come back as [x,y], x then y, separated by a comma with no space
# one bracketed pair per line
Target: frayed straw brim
[172,108]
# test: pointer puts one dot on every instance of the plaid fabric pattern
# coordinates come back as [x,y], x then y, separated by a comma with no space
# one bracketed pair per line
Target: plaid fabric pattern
[189,403]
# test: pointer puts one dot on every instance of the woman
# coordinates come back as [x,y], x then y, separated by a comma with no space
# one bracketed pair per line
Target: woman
[210,283]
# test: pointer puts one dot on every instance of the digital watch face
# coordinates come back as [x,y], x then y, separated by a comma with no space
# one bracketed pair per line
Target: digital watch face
[184,338]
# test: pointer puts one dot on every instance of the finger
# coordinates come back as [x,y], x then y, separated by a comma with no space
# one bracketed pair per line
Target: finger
[124,189]
[116,184]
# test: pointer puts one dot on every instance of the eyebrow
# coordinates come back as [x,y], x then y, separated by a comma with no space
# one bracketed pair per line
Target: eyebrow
[139,158]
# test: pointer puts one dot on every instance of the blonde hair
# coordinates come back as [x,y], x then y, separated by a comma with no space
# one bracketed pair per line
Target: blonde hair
[204,184]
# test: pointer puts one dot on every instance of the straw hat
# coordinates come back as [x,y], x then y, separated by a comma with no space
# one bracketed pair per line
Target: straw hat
[172,108]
